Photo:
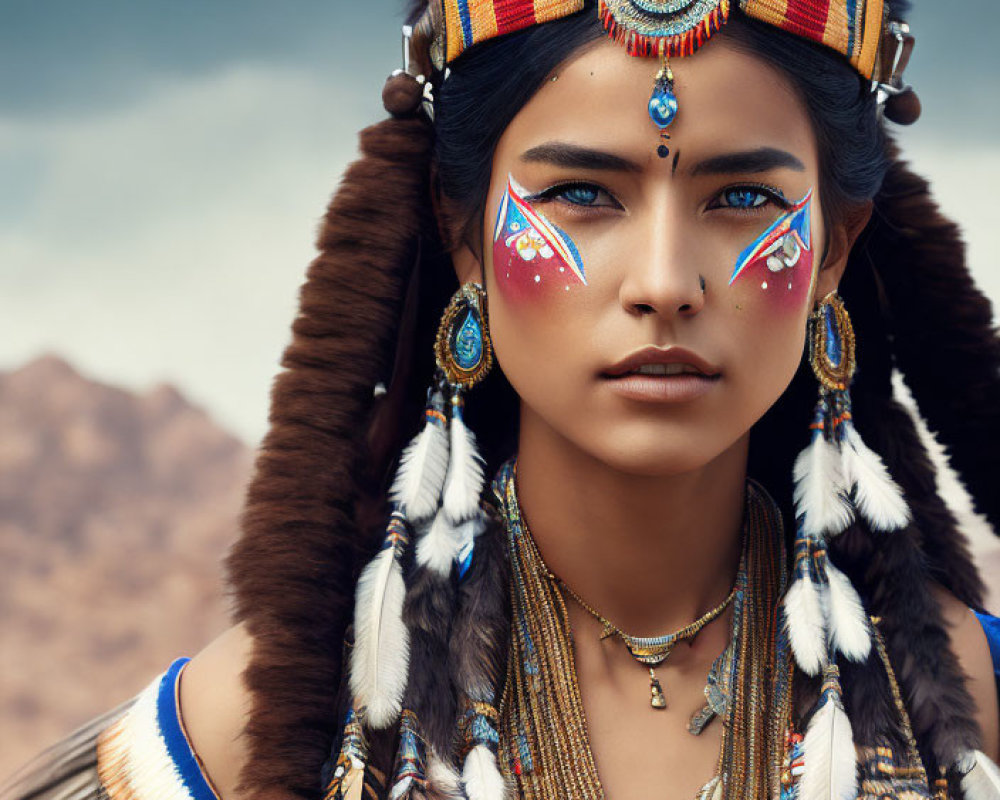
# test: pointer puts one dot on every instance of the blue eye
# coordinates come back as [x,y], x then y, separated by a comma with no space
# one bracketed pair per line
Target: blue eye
[744,197]
[580,195]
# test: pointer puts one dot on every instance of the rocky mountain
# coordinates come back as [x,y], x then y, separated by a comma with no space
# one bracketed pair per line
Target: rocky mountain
[115,511]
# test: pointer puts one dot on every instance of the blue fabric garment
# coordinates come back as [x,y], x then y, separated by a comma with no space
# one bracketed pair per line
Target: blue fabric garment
[991,627]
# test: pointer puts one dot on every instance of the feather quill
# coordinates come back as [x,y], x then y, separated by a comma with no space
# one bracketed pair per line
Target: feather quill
[464,480]
[805,623]
[423,466]
[481,777]
[380,658]
[353,784]
[828,749]
[820,499]
[981,779]
[877,496]
[848,623]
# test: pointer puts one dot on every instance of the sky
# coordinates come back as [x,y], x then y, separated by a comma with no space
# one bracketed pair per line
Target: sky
[164,165]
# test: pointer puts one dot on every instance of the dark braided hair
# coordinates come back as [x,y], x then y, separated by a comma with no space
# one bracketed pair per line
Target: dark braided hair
[368,312]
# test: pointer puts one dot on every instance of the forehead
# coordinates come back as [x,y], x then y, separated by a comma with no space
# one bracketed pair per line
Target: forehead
[727,98]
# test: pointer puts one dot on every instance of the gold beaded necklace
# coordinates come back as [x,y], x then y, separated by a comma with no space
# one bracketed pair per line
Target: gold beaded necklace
[544,745]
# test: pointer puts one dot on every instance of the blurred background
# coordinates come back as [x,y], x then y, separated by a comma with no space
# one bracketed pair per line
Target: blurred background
[163,167]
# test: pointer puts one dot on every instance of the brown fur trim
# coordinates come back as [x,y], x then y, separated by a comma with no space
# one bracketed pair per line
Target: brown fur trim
[882,424]
[944,339]
[293,571]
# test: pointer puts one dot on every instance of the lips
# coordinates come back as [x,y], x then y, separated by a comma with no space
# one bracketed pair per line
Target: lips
[662,362]
[662,375]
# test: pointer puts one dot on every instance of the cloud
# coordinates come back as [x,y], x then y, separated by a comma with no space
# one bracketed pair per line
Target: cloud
[166,241]
[964,180]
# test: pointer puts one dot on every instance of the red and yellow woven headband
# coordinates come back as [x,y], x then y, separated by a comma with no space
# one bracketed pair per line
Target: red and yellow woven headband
[676,27]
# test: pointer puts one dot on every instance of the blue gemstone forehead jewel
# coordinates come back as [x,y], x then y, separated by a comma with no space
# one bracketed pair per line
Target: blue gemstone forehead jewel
[663,104]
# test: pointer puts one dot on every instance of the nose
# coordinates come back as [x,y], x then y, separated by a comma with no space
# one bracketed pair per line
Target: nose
[661,274]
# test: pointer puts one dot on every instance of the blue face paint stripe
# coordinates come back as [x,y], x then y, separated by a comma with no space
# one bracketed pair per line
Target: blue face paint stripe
[501,215]
[800,221]
[556,237]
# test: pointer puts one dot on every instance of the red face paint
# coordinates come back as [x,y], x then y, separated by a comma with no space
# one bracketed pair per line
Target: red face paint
[780,260]
[531,256]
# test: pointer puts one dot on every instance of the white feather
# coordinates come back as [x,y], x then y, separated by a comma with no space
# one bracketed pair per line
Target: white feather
[820,497]
[381,654]
[830,758]
[981,780]
[443,778]
[401,788]
[804,620]
[848,623]
[877,496]
[480,776]
[437,545]
[442,541]
[464,481]
[421,473]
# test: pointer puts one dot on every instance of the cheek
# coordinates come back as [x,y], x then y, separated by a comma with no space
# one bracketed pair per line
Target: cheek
[533,260]
[775,272]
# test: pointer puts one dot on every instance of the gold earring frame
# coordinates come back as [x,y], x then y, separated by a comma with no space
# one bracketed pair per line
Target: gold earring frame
[463,349]
[832,345]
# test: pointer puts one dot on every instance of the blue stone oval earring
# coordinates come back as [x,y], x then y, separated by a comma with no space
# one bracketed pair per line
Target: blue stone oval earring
[663,103]
[463,349]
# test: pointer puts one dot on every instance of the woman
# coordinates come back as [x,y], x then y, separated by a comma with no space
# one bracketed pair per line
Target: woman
[647,231]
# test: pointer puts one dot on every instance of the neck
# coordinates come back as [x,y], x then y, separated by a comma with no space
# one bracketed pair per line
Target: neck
[650,553]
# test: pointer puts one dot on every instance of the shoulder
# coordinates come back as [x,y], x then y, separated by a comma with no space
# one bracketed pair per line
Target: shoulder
[969,643]
[215,706]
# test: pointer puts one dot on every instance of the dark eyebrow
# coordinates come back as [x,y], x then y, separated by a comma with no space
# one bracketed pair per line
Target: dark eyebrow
[748,161]
[563,154]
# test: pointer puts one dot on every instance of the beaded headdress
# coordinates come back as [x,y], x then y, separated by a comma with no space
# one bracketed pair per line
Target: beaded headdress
[853,28]
[875,46]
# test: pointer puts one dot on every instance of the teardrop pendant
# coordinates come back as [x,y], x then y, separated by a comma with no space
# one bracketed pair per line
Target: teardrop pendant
[663,101]
[663,104]
[657,699]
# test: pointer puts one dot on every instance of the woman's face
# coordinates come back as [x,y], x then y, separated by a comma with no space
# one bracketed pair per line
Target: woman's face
[703,263]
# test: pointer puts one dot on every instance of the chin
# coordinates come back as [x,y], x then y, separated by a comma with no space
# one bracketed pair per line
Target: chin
[656,456]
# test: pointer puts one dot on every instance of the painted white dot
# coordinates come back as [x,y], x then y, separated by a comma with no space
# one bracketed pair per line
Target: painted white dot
[567,288]
[789,285]
[562,269]
[538,278]
[508,274]
[763,285]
